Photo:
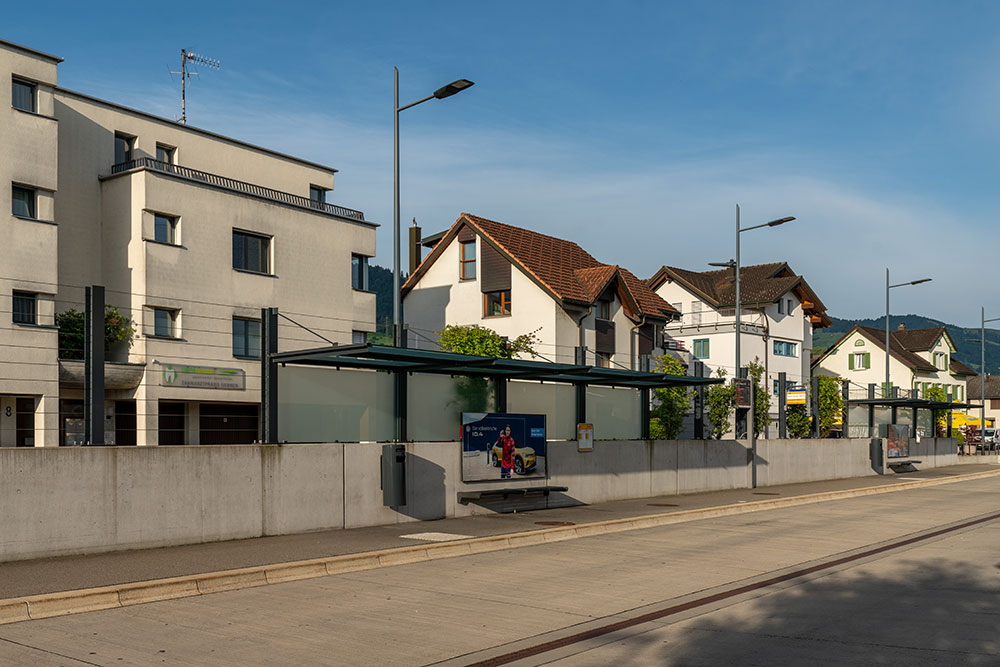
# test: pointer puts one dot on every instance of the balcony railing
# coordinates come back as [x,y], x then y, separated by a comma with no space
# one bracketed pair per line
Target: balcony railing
[238,186]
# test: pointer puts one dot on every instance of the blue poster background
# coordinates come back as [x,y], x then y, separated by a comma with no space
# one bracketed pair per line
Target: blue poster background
[482,448]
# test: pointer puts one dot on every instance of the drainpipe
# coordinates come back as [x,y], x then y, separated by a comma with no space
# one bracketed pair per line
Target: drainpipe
[633,356]
[579,327]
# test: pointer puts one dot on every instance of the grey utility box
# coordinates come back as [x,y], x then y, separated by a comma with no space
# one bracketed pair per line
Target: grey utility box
[394,475]
[875,453]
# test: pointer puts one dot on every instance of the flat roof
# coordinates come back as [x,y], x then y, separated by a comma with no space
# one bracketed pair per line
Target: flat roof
[922,403]
[389,358]
[49,56]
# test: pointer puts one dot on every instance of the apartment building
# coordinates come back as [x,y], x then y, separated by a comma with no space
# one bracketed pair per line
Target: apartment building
[919,359]
[191,233]
[515,281]
[779,313]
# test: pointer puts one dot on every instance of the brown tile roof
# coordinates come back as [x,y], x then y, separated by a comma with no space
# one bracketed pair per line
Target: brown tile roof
[919,340]
[759,283]
[956,367]
[973,391]
[564,269]
[899,350]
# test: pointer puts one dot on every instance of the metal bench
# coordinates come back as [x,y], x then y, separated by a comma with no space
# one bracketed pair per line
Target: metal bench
[897,463]
[466,496]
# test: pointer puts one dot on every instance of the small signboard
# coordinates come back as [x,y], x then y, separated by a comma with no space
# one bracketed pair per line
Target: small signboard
[202,377]
[744,393]
[584,437]
[795,396]
[499,446]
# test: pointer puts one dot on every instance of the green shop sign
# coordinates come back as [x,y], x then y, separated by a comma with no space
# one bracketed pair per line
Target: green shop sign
[202,377]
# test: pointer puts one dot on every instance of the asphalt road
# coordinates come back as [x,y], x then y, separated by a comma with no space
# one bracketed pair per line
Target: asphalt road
[901,578]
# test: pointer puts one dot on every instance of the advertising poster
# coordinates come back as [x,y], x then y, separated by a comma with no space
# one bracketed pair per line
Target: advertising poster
[899,441]
[502,446]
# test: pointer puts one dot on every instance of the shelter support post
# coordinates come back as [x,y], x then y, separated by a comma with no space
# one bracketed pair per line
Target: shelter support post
[814,393]
[268,375]
[500,394]
[782,396]
[644,413]
[93,365]
[400,404]
[699,402]
[845,391]
[581,403]
[871,411]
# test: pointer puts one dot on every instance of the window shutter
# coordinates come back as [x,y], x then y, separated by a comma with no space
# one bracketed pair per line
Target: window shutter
[850,362]
[868,360]
[495,271]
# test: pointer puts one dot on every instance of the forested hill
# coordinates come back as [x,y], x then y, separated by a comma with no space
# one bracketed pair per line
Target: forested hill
[966,340]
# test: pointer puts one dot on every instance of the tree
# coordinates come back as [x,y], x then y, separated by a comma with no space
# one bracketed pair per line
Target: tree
[472,394]
[117,329]
[673,403]
[761,398]
[831,404]
[719,406]
[941,423]
[797,421]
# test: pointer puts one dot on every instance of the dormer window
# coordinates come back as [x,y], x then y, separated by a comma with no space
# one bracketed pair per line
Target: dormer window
[604,310]
[467,260]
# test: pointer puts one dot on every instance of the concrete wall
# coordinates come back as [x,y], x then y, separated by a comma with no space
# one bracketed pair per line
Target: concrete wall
[66,500]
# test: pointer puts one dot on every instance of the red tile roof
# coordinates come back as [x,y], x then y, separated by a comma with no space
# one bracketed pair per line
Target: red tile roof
[568,272]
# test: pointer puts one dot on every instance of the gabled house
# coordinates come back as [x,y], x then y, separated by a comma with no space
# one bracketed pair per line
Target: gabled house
[515,280]
[919,359]
[975,387]
[779,312]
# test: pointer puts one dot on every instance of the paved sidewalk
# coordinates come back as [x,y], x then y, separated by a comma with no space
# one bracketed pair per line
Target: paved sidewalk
[33,577]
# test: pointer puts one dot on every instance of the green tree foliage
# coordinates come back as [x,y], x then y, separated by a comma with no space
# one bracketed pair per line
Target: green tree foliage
[474,394]
[673,403]
[797,421]
[719,406]
[941,424]
[117,329]
[831,404]
[761,398]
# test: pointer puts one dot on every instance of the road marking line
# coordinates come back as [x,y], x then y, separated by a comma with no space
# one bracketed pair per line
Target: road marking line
[155,590]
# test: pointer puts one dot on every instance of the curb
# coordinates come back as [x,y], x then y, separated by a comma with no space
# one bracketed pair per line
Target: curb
[13,610]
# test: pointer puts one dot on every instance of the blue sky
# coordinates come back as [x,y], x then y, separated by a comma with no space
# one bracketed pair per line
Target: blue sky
[631,127]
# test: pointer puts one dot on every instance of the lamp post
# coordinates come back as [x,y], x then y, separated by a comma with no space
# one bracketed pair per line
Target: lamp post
[982,375]
[885,390]
[736,263]
[439,94]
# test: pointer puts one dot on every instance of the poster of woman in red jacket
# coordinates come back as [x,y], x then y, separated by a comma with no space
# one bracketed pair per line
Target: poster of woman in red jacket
[506,444]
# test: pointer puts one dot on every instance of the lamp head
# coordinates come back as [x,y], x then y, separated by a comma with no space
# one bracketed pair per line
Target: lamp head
[922,280]
[452,88]
[780,221]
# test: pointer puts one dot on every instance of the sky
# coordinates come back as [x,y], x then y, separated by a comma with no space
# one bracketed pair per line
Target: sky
[632,128]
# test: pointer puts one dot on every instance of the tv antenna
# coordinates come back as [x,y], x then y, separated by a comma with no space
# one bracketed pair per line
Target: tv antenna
[186,57]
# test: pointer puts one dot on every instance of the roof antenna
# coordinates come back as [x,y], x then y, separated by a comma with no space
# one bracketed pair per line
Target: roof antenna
[187,56]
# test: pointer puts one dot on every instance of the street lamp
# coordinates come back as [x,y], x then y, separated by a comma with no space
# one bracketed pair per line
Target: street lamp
[982,375]
[736,263]
[888,287]
[439,94]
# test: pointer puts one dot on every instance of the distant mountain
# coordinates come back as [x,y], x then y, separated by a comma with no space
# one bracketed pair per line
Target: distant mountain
[966,340]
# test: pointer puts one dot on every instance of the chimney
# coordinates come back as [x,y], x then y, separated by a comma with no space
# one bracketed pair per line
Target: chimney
[416,254]
[901,327]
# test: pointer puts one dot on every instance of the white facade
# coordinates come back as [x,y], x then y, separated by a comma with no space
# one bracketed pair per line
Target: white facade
[96,224]
[861,360]
[441,297]
[763,327]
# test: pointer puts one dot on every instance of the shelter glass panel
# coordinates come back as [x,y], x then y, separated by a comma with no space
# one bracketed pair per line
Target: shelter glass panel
[556,401]
[615,413]
[435,404]
[328,405]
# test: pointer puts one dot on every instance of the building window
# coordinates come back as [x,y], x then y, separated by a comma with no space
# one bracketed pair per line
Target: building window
[165,153]
[164,322]
[859,361]
[467,260]
[602,360]
[941,360]
[22,201]
[604,310]
[251,252]
[124,145]
[781,306]
[25,308]
[164,229]
[359,272]
[22,95]
[317,194]
[246,338]
[701,348]
[791,307]
[785,349]
[359,337]
[775,387]
[496,303]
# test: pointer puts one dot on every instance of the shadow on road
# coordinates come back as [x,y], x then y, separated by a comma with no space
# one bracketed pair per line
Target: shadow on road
[928,613]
